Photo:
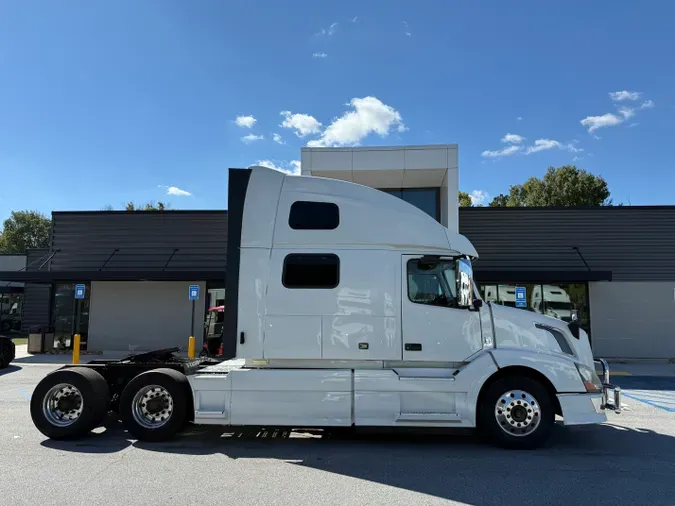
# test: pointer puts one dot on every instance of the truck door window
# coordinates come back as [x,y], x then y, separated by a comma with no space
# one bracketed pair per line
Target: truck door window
[432,285]
[311,270]
[306,215]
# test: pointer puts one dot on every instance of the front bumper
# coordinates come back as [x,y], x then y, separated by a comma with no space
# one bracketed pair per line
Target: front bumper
[611,394]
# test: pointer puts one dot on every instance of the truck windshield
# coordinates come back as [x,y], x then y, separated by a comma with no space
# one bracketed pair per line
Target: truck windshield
[432,284]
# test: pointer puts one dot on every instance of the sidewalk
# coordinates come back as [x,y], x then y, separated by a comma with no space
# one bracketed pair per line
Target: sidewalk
[641,369]
[23,357]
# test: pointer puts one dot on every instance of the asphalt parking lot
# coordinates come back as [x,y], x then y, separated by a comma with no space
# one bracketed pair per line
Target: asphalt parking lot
[629,460]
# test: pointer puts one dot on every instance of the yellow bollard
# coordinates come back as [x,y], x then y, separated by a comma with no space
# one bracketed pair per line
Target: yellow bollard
[76,349]
[191,347]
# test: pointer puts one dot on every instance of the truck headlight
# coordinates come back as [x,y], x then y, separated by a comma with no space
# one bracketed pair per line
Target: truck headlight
[589,378]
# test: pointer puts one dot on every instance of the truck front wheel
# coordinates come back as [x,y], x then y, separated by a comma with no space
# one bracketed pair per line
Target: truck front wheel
[516,412]
[154,405]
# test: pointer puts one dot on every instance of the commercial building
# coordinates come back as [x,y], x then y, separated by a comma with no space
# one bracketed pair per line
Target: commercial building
[612,266]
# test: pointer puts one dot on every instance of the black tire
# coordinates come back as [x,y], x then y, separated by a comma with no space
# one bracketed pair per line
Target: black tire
[95,402]
[7,352]
[512,435]
[178,388]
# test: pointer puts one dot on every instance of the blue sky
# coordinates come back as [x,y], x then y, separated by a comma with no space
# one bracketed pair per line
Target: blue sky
[106,102]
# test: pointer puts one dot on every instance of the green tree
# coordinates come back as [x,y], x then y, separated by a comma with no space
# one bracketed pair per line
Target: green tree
[150,206]
[24,230]
[565,186]
[464,200]
[500,200]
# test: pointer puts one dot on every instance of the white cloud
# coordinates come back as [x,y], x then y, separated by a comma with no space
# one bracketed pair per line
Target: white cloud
[177,192]
[632,125]
[292,168]
[519,118]
[626,112]
[407,29]
[248,139]
[295,165]
[576,158]
[319,55]
[354,19]
[513,139]
[370,115]
[245,121]
[541,145]
[328,31]
[620,96]
[515,146]
[303,124]
[502,152]
[592,123]
[278,139]
[572,148]
[479,197]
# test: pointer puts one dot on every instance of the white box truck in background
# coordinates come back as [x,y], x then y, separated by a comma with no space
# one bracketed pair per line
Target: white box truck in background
[553,301]
[346,307]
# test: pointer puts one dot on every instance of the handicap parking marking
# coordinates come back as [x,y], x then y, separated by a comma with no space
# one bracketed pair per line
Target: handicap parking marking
[652,399]
[655,391]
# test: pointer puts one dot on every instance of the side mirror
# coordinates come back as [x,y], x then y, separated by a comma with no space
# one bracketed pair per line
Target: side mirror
[464,283]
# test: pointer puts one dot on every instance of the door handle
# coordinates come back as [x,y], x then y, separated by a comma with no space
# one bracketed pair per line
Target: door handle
[413,347]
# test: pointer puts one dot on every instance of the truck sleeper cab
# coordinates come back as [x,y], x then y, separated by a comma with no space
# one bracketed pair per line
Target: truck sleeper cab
[346,307]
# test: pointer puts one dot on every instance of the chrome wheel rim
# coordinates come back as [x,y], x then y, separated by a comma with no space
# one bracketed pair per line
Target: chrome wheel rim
[518,413]
[152,407]
[62,406]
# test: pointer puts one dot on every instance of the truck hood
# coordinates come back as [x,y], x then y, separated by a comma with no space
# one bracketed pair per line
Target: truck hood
[517,328]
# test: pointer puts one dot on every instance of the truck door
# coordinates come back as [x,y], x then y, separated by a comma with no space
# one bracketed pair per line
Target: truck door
[433,327]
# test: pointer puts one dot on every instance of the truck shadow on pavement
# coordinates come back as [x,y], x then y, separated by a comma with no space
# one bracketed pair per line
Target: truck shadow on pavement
[9,369]
[606,464]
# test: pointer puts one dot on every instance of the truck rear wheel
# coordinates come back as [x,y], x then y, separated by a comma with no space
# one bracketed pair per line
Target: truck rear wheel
[516,412]
[69,402]
[154,405]
[7,352]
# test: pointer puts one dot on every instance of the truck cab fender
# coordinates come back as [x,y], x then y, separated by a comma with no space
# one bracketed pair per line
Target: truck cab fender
[559,370]
[559,374]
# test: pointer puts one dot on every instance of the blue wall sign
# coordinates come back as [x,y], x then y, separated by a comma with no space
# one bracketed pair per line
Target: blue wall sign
[79,291]
[521,298]
[193,292]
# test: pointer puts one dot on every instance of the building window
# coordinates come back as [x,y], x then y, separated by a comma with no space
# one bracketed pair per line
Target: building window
[310,270]
[562,301]
[433,285]
[426,199]
[306,215]
[10,312]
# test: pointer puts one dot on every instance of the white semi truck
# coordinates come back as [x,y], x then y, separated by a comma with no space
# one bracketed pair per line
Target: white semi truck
[346,307]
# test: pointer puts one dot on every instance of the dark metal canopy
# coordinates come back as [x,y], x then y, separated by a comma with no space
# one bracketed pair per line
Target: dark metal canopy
[49,277]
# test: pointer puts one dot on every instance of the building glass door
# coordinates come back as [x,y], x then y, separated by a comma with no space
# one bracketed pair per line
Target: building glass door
[70,316]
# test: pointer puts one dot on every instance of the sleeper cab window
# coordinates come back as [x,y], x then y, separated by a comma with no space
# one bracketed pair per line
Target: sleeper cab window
[306,215]
[311,271]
